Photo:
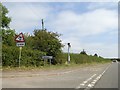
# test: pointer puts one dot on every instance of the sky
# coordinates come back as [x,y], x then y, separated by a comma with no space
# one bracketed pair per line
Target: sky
[92,26]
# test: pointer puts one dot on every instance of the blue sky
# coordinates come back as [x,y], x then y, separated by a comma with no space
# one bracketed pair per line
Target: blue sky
[92,26]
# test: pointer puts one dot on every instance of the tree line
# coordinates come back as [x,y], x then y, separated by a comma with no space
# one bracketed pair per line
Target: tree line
[42,42]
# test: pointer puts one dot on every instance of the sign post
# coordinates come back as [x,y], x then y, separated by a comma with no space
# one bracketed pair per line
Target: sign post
[46,58]
[20,55]
[20,42]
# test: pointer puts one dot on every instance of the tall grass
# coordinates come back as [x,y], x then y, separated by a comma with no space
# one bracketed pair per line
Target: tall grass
[82,59]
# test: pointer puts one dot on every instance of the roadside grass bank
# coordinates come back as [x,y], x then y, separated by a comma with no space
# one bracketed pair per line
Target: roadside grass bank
[53,67]
[76,60]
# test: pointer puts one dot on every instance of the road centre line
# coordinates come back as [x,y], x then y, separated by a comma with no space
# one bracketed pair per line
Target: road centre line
[85,82]
[92,84]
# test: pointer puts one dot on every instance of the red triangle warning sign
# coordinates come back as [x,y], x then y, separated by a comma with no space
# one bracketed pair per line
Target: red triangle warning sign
[20,38]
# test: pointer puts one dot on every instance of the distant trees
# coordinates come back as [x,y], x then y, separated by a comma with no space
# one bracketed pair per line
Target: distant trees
[83,52]
[95,55]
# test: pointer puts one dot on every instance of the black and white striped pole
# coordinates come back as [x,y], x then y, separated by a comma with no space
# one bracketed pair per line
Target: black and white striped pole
[69,52]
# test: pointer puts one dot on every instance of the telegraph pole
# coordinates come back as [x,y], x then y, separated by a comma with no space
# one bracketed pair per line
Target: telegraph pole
[42,24]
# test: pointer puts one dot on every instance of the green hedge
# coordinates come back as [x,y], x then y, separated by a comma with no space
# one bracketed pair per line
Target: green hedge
[29,57]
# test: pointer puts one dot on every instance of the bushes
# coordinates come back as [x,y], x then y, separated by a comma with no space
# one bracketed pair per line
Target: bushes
[9,55]
[29,57]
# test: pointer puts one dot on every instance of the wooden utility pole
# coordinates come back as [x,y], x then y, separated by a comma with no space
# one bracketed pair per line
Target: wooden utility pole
[42,24]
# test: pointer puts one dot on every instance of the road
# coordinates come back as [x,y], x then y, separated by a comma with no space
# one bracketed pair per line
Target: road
[98,76]
[109,78]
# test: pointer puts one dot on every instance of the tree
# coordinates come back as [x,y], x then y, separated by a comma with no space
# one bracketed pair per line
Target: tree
[83,52]
[6,33]
[5,19]
[47,42]
[29,41]
[95,55]
[8,37]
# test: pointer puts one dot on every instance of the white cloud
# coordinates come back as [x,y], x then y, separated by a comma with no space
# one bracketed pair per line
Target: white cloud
[107,5]
[89,23]
[102,49]
[26,16]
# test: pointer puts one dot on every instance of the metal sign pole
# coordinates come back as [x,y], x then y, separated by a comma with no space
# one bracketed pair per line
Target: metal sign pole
[20,56]
[50,62]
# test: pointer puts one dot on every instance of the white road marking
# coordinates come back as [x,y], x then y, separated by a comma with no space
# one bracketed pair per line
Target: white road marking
[85,82]
[92,84]
[82,84]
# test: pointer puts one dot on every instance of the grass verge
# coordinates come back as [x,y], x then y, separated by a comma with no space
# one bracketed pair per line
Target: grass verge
[53,67]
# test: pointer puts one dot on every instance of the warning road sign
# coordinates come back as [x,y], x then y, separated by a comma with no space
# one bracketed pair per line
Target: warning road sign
[20,38]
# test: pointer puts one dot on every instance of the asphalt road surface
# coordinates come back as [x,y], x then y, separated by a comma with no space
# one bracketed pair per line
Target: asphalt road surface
[98,76]
[109,78]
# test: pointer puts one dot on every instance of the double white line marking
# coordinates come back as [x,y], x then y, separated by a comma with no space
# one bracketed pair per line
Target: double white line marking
[91,84]
[85,82]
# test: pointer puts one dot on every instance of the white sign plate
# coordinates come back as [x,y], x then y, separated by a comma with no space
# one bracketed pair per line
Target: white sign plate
[20,44]
[47,57]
